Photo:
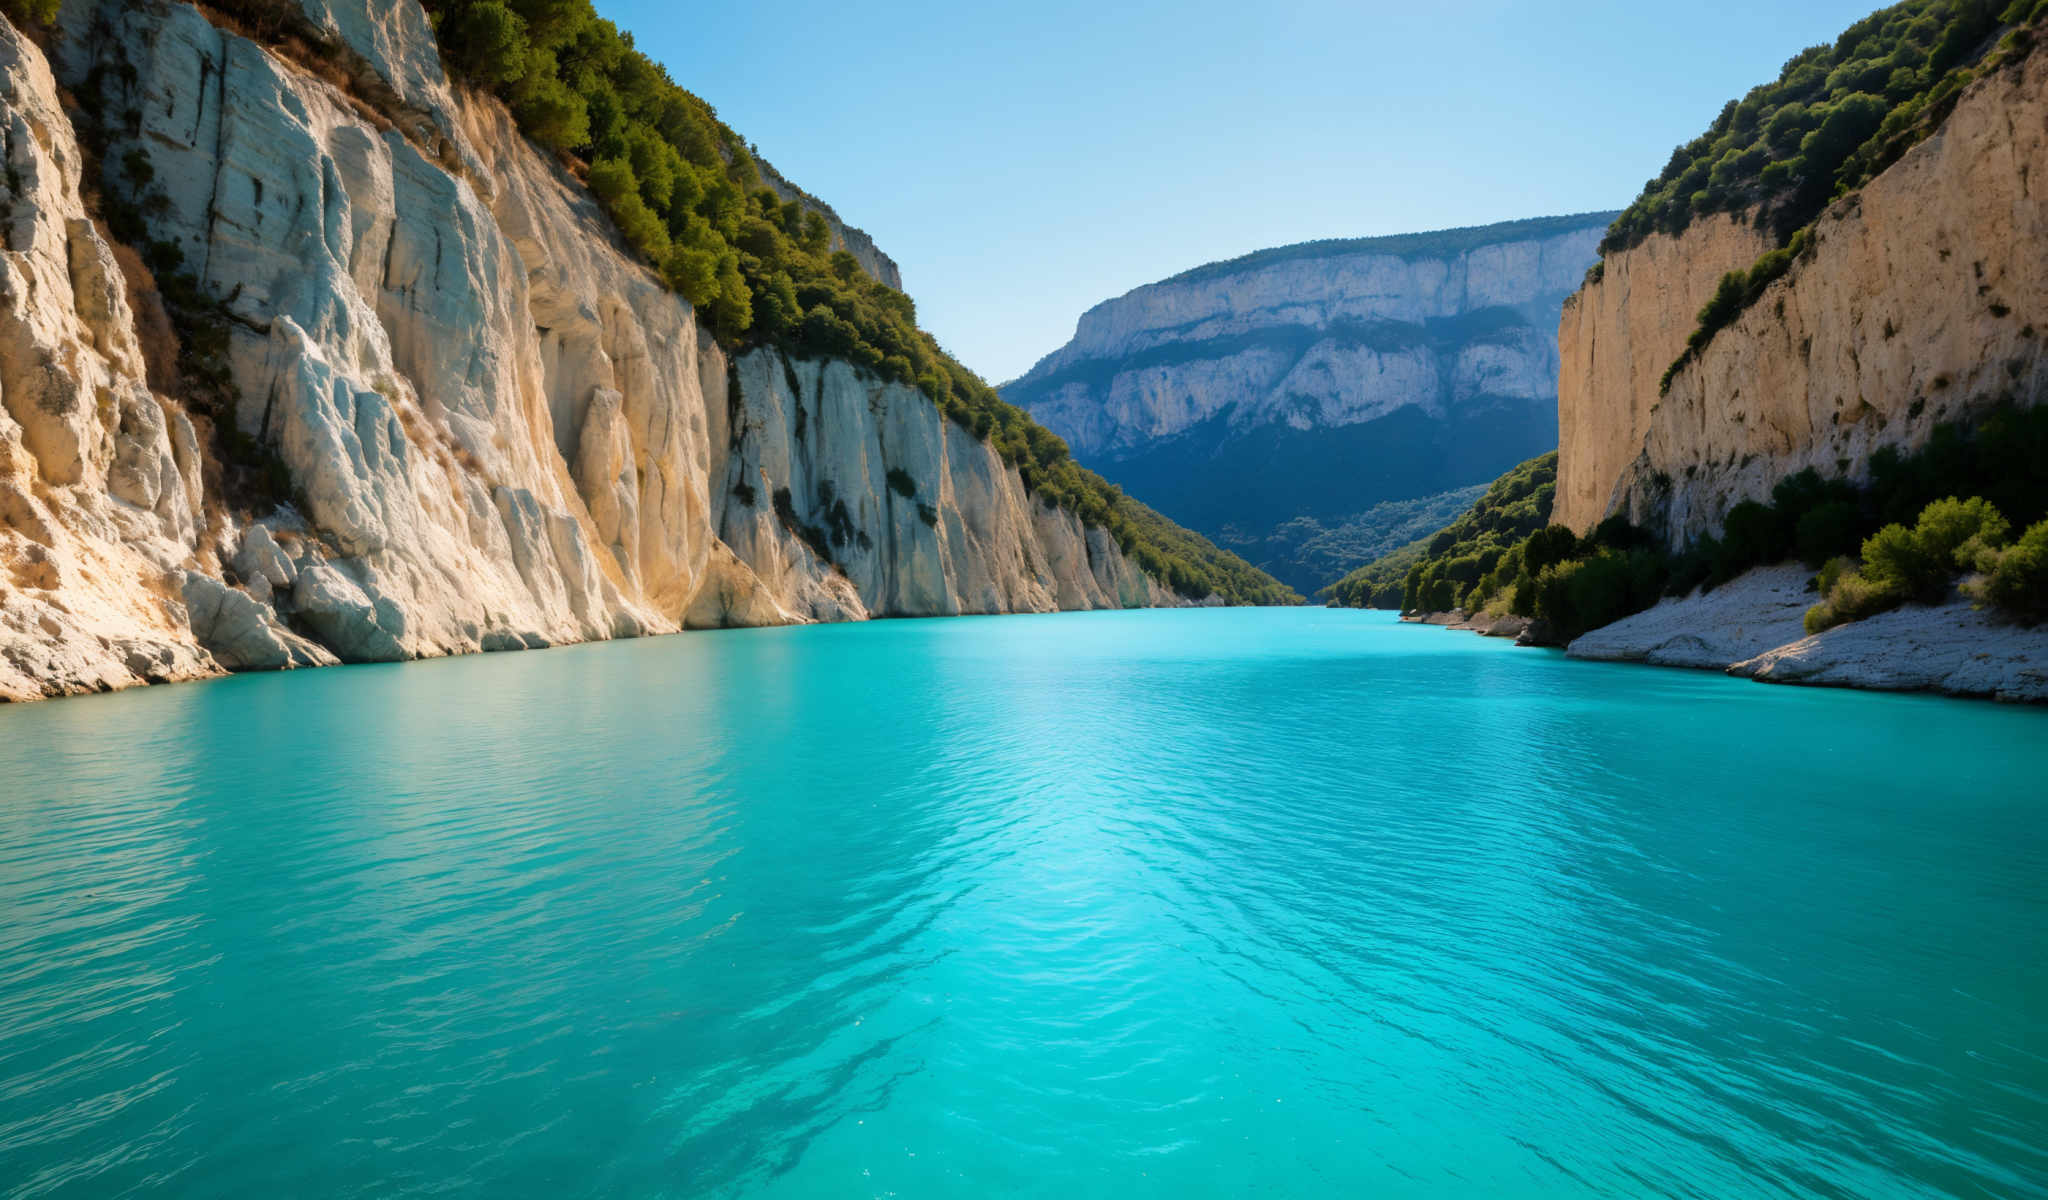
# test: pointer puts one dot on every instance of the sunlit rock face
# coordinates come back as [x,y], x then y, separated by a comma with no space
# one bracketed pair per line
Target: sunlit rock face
[1924,301]
[472,421]
[1315,381]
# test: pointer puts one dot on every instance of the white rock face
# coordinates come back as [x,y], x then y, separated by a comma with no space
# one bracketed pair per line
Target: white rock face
[100,499]
[817,448]
[499,430]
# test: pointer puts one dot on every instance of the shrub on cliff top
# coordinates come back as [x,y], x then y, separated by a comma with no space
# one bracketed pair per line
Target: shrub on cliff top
[1835,116]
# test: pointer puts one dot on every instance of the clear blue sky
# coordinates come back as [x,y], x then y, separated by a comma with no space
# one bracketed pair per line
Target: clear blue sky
[1023,162]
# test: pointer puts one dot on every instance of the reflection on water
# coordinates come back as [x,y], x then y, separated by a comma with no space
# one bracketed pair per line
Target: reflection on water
[1289,902]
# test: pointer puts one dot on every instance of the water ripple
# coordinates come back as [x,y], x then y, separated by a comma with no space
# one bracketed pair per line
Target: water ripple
[1289,903]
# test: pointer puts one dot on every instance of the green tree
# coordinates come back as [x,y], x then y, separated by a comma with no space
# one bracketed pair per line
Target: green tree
[1895,562]
[1946,525]
[2018,583]
[485,42]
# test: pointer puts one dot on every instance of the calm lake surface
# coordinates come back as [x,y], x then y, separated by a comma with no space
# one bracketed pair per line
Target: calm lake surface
[1229,903]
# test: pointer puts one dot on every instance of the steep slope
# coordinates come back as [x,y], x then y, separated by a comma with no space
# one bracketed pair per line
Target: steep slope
[844,237]
[306,356]
[1920,298]
[1315,381]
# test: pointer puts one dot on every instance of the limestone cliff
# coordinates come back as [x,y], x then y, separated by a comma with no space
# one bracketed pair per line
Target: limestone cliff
[1311,382]
[1923,301]
[440,409]
[1616,337]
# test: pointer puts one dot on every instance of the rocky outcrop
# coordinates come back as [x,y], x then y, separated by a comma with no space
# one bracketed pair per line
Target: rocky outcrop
[1321,379]
[1710,630]
[1923,301]
[896,511]
[495,429]
[1752,627]
[101,500]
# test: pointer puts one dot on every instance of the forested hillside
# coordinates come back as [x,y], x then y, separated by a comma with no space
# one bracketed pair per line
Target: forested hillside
[1439,571]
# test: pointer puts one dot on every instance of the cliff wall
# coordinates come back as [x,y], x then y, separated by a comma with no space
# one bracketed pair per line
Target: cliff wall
[1923,301]
[436,409]
[1616,338]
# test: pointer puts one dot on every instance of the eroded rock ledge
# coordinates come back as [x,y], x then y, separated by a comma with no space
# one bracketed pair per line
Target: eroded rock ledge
[1753,626]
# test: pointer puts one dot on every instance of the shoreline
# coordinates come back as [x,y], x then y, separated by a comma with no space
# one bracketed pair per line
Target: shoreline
[1753,627]
[206,669]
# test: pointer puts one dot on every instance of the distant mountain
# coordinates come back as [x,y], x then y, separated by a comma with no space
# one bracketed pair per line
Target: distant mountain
[1319,380]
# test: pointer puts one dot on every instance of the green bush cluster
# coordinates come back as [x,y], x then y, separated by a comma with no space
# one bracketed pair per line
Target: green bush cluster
[1440,572]
[1575,584]
[1903,565]
[687,197]
[2016,578]
[1598,587]
[1834,118]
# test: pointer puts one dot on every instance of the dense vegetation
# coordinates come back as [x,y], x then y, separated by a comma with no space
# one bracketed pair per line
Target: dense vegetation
[1575,584]
[1189,562]
[1901,564]
[1834,118]
[1437,572]
[686,196]
[1312,553]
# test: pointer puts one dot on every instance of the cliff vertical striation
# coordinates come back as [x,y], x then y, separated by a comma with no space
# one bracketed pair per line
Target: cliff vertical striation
[374,379]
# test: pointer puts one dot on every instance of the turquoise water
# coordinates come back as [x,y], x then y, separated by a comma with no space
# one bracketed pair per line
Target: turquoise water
[1254,903]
